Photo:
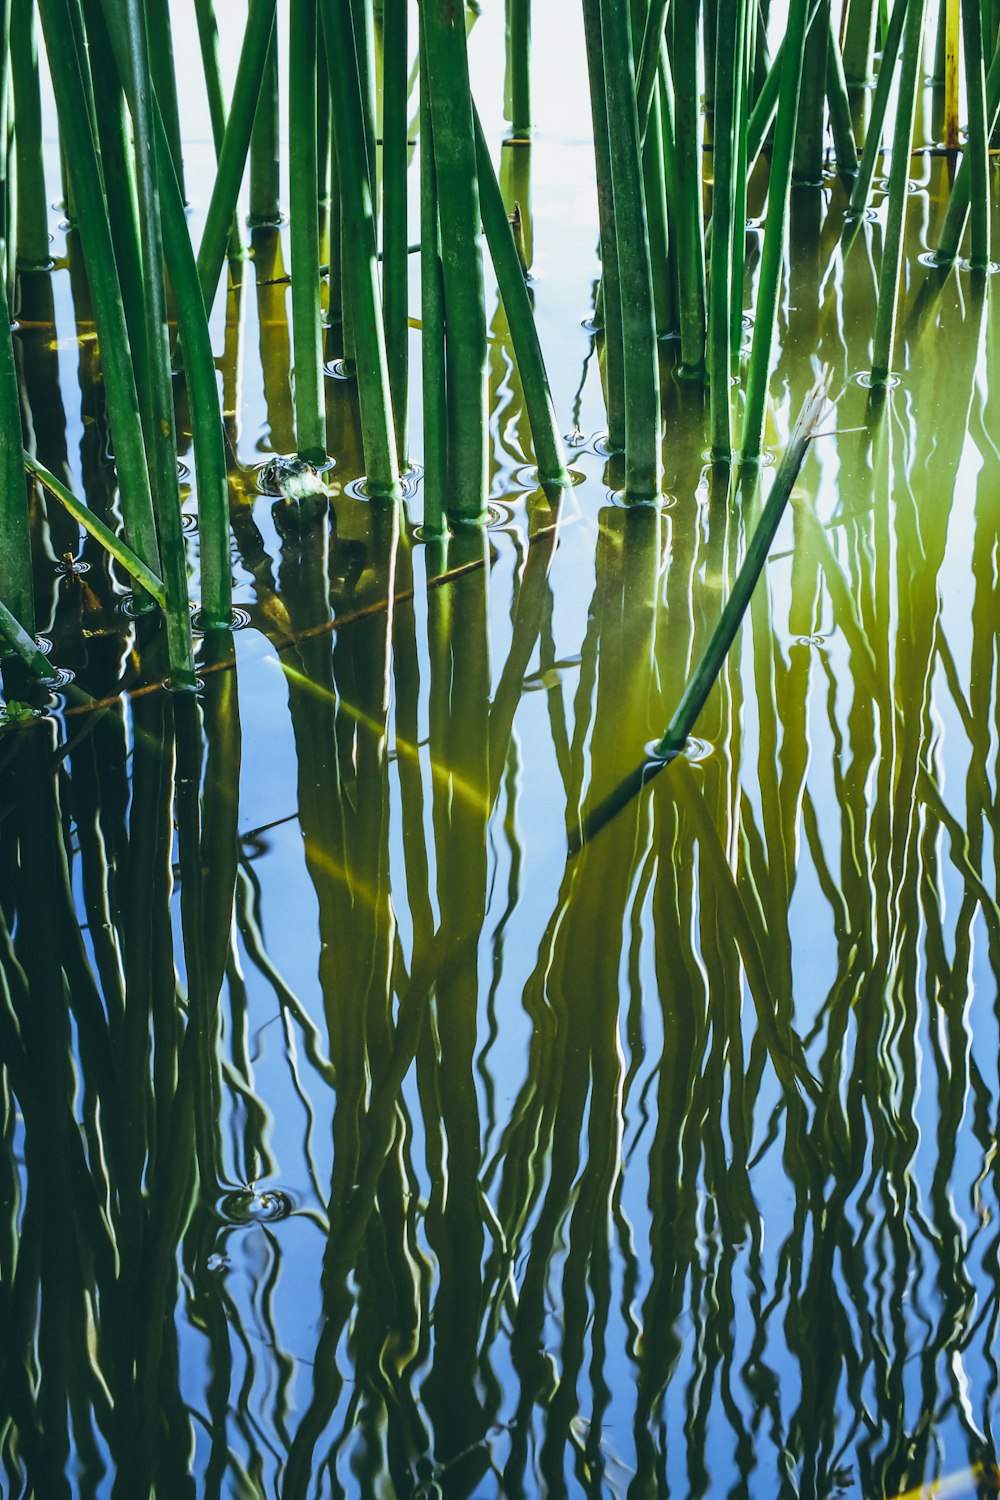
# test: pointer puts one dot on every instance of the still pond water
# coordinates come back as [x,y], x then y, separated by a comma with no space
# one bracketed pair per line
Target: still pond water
[667,1168]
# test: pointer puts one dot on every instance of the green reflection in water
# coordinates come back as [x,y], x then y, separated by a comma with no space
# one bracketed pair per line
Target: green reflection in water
[356,1140]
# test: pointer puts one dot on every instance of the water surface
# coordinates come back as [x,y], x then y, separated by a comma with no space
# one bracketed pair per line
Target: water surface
[455,1164]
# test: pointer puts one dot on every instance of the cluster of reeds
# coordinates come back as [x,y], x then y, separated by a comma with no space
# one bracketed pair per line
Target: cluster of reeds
[112,72]
[676,260]
[782,112]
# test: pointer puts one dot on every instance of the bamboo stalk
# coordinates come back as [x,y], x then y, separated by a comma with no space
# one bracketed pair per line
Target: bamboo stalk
[775,233]
[899,171]
[310,413]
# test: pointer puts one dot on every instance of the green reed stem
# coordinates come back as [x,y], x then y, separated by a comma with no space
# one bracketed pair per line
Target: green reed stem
[307,343]
[764,106]
[96,528]
[775,232]
[744,54]
[22,645]
[643,469]
[16,585]
[724,151]
[166,482]
[549,456]
[75,117]
[201,377]
[841,125]
[363,21]
[518,17]
[766,103]
[706,673]
[649,60]
[324,141]
[6,106]
[807,158]
[665,95]
[655,197]
[208,42]
[957,212]
[859,40]
[395,269]
[164,79]
[233,156]
[899,172]
[360,263]
[614,349]
[447,81]
[32,205]
[265,145]
[690,228]
[693,698]
[432,361]
[118,172]
[880,104]
[977,148]
[200,372]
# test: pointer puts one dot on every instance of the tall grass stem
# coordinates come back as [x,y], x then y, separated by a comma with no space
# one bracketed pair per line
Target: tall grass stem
[310,412]
[899,172]
[775,232]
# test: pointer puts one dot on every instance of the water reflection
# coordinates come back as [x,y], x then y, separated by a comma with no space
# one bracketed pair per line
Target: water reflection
[355,1137]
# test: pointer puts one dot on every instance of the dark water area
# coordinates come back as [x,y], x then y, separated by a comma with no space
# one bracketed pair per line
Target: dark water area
[356,1138]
